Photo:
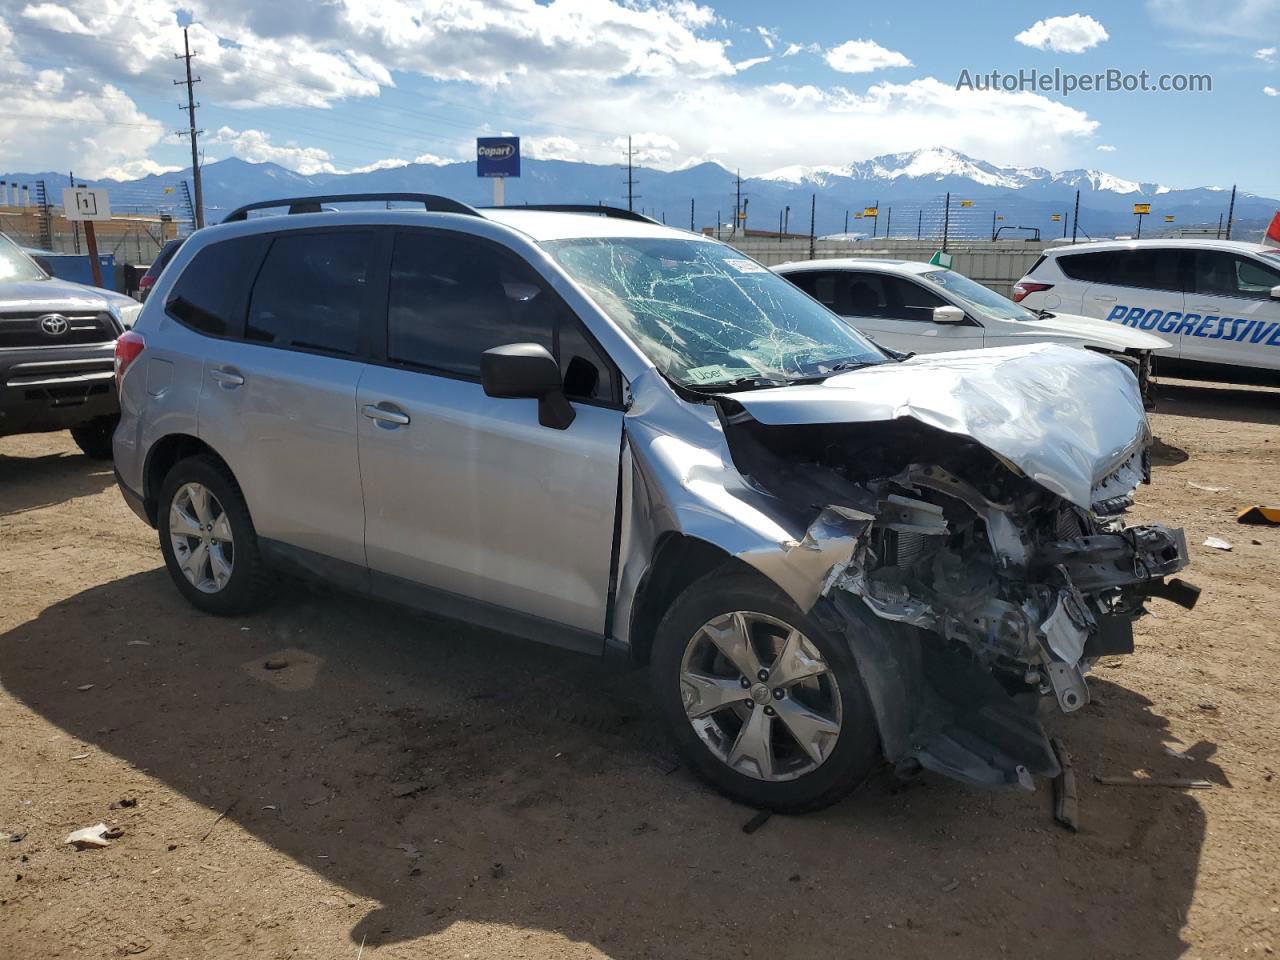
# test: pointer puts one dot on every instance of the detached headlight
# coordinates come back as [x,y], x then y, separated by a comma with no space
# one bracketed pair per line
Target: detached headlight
[127,315]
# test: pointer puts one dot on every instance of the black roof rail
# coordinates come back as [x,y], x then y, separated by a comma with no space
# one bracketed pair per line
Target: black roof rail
[432,202]
[616,213]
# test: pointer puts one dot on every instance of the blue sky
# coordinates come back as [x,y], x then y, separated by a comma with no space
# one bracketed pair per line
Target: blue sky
[351,84]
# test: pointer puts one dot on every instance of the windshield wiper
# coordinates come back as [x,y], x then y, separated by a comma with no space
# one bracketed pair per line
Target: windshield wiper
[741,383]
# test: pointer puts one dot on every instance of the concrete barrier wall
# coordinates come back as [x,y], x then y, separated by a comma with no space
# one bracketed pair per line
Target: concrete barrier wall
[995,265]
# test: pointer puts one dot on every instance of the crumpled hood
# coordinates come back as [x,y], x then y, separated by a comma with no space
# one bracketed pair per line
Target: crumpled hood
[1088,330]
[1065,417]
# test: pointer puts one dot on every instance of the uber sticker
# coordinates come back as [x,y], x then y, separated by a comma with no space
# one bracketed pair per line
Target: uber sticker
[747,266]
[714,372]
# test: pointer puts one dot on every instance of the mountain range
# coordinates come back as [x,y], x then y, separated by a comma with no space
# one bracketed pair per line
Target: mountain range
[907,188]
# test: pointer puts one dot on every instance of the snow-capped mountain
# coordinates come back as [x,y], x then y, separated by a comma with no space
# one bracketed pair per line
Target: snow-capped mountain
[938,165]
[907,187]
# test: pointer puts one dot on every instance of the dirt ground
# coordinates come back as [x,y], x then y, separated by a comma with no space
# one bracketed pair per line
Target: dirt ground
[427,789]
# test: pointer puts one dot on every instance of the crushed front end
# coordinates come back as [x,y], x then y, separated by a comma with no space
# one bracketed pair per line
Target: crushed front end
[982,576]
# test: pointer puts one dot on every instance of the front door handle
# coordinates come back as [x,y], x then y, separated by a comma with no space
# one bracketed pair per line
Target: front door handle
[226,377]
[1204,307]
[386,413]
[1105,299]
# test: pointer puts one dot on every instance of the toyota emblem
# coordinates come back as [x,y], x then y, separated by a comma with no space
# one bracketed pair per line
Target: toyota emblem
[54,324]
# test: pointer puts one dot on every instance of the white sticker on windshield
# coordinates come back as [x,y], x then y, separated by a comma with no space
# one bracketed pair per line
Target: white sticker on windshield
[747,266]
[716,372]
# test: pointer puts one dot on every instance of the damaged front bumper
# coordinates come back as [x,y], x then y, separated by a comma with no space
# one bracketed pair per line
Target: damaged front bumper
[959,693]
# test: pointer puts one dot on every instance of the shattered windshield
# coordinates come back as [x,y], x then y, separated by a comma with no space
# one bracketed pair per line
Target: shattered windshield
[986,300]
[706,315]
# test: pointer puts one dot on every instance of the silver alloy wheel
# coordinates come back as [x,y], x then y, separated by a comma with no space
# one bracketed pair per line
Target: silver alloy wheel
[200,533]
[760,695]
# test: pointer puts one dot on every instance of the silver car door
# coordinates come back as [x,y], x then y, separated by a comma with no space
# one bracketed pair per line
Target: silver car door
[1236,319]
[278,399]
[467,493]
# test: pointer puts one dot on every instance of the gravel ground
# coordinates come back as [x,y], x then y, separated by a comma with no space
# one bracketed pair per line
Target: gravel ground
[429,789]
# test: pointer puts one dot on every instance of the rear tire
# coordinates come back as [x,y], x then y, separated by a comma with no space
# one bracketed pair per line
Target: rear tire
[94,438]
[208,540]
[817,738]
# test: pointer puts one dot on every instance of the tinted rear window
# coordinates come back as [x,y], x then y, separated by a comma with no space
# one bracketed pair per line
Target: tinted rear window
[1150,269]
[312,290]
[210,295]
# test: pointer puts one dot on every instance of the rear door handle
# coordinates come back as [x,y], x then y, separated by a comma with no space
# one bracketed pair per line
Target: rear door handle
[1206,307]
[228,378]
[386,413]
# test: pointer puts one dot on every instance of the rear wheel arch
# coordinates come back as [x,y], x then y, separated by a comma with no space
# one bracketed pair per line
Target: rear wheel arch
[164,454]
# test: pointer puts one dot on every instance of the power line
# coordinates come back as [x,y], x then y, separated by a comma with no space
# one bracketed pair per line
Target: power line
[192,132]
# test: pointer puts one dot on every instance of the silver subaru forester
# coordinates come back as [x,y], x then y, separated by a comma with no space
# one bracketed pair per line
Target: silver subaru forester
[579,426]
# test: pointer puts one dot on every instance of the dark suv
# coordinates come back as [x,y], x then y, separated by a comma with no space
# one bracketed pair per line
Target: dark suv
[57,346]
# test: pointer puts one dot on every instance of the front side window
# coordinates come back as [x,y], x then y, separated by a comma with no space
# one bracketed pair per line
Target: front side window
[213,290]
[312,291]
[708,316]
[1229,275]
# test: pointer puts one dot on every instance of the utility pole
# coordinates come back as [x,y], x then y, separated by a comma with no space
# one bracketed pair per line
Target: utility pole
[779,226]
[739,214]
[692,228]
[993,226]
[888,223]
[813,221]
[846,221]
[1075,220]
[946,223]
[1064,226]
[1231,211]
[191,131]
[631,179]
[919,222]
[786,219]
[1218,235]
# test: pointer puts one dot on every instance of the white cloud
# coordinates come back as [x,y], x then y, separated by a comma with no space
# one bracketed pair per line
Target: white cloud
[256,146]
[748,64]
[649,149]
[54,17]
[1074,34]
[55,117]
[863,56]
[135,169]
[1106,148]
[794,48]
[1271,91]
[550,148]
[770,37]
[1266,55]
[590,70]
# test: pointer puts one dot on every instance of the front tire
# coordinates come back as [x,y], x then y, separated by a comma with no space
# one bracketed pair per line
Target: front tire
[207,537]
[94,438]
[759,699]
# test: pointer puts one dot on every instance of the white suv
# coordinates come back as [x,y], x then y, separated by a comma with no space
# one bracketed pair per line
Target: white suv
[1218,301]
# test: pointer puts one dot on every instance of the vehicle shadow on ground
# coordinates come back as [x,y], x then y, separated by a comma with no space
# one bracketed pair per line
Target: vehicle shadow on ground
[453,775]
[32,482]
[1217,401]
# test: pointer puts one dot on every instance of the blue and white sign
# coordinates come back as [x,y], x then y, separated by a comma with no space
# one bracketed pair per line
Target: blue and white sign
[497,156]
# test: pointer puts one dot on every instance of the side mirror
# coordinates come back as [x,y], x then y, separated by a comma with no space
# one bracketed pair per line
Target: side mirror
[1275,293]
[948,315]
[527,370]
[43,263]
